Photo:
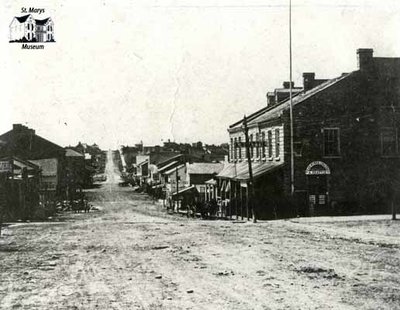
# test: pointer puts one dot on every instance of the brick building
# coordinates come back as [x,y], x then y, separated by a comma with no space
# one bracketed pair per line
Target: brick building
[346,153]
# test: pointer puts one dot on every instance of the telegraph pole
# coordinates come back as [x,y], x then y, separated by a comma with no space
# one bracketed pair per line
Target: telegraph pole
[251,192]
[393,194]
[291,102]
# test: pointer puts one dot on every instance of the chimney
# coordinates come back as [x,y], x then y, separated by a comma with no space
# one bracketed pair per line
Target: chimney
[286,84]
[365,59]
[19,128]
[270,99]
[308,80]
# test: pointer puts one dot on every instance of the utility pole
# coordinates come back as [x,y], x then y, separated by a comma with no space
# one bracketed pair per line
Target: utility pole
[393,202]
[291,102]
[251,183]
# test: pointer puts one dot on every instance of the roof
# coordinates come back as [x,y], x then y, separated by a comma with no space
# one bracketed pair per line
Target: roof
[167,166]
[72,153]
[163,158]
[205,168]
[274,111]
[49,166]
[143,162]
[170,171]
[22,19]
[240,171]
[185,190]
[42,21]
[15,142]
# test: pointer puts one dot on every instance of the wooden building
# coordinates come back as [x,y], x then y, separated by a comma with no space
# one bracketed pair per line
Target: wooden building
[23,142]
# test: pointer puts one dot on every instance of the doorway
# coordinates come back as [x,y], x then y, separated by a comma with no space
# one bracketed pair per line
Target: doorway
[318,188]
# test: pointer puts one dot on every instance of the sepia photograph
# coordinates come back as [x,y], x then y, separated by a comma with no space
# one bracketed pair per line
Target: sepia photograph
[200,154]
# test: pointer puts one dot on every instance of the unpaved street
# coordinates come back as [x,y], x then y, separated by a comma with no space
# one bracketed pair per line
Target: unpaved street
[129,254]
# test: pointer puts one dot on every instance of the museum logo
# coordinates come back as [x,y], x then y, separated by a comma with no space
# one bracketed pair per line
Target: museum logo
[31,31]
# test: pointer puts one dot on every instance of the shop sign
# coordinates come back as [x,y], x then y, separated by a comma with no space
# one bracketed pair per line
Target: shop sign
[5,166]
[317,168]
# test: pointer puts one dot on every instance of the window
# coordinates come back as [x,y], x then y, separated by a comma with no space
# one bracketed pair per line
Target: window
[232,149]
[251,146]
[331,142]
[240,147]
[235,156]
[269,143]
[257,145]
[298,148]
[263,145]
[389,146]
[277,143]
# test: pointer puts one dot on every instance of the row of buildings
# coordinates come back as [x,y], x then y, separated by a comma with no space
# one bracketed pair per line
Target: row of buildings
[177,173]
[36,171]
[345,156]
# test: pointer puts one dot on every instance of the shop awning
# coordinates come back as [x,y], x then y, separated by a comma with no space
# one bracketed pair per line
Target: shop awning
[240,171]
[211,182]
[188,190]
[166,167]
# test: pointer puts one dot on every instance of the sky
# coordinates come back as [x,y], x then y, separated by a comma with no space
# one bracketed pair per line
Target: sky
[125,71]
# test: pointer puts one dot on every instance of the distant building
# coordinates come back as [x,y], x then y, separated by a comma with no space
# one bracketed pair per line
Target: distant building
[76,166]
[199,173]
[23,142]
[346,146]
[28,29]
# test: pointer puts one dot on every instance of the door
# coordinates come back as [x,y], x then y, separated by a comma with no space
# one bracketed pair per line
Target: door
[318,194]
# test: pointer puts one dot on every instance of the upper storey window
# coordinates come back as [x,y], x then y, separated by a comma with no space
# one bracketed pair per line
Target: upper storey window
[331,142]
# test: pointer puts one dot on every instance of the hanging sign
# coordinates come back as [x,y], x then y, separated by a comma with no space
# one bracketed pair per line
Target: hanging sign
[317,168]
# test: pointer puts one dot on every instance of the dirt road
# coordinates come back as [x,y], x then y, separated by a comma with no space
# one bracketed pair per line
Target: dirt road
[131,255]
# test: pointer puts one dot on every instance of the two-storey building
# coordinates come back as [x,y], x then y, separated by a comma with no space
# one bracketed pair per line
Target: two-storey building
[346,154]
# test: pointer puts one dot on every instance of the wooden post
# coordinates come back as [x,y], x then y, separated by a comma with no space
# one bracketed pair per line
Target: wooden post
[251,182]
[238,200]
[177,189]
[230,194]
[241,202]
[393,210]
[247,202]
